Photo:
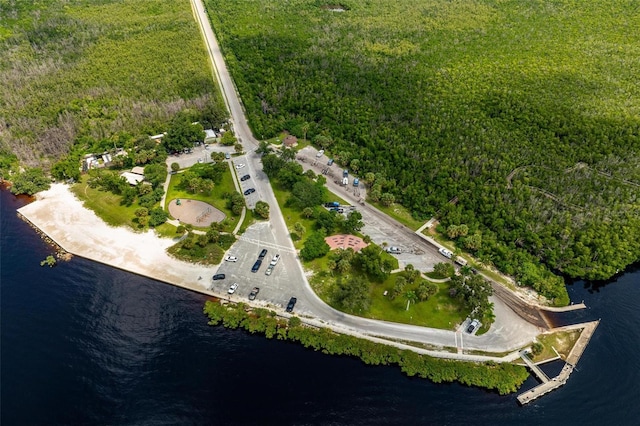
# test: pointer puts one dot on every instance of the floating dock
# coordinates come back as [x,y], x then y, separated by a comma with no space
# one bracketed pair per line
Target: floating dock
[549,385]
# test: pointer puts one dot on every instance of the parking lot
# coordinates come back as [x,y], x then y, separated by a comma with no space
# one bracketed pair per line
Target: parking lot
[376,226]
[275,289]
[198,154]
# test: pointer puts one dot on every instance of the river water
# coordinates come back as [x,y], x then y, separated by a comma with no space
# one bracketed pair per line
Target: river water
[83,343]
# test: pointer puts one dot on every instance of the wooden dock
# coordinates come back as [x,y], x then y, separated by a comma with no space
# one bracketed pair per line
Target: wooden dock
[536,370]
[574,356]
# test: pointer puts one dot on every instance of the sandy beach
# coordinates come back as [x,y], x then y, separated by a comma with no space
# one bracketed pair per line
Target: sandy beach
[62,217]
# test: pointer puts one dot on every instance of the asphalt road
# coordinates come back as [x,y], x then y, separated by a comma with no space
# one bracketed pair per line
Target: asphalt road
[289,278]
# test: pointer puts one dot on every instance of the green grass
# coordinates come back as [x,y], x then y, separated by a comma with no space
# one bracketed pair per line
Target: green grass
[399,213]
[211,254]
[562,341]
[291,216]
[249,219]
[105,204]
[166,230]
[215,198]
[439,311]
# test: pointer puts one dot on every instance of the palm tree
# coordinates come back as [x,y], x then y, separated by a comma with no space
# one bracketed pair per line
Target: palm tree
[411,297]
[305,129]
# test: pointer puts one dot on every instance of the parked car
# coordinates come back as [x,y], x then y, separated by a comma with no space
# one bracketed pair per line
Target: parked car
[446,253]
[291,304]
[320,153]
[217,277]
[269,270]
[394,250]
[330,162]
[474,324]
[275,259]
[254,293]
[233,288]
[230,259]
[262,254]
[249,191]
[227,156]
[239,166]
[245,177]
[256,265]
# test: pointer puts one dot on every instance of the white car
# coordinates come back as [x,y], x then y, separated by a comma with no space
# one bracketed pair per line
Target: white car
[446,253]
[233,288]
[230,258]
[319,154]
[275,259]
[239,166]
[472,326]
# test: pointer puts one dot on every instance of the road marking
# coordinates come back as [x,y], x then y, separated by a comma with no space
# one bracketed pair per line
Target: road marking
[266,244]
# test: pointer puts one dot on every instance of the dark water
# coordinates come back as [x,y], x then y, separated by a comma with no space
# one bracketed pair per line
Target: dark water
[86,344]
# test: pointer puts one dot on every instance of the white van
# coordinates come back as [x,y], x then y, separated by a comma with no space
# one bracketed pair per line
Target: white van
[460,261]
[446,253]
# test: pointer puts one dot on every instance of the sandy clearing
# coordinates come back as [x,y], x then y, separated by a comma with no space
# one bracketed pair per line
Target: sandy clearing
[61,216]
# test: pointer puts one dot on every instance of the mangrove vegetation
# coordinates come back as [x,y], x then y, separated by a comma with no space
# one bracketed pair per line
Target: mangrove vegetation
[502,377]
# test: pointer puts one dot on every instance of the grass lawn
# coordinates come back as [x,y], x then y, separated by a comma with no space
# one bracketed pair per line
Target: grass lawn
[215,198]
[105,204]
[399,213]
[291,216]
[211,254]
[249,219]
[562,341]
[439,311]
[167,230]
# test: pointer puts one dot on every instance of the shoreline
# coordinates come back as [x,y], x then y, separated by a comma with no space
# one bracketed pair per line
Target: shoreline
[116,247]
[61,218]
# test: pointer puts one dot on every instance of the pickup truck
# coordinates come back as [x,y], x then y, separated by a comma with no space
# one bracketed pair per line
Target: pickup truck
[254,293]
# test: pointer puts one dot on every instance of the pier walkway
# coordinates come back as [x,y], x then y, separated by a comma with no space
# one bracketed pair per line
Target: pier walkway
[572,359]
[536,370]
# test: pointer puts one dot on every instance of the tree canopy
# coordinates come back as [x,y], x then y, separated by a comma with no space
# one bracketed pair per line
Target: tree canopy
[511,135]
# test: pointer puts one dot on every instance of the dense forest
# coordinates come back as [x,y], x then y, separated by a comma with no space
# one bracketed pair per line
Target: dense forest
[93,74]
[518,120]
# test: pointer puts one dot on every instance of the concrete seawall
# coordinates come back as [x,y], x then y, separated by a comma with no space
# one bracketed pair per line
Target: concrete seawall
[572,360]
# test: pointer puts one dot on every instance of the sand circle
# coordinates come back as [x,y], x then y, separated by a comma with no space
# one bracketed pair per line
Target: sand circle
[194,212]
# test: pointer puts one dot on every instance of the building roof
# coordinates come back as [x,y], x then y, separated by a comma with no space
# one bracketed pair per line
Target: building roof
[132,178]
[209,134]
[138,170]
[290,141]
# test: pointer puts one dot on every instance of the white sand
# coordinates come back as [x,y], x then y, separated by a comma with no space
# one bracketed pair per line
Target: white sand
[61,216]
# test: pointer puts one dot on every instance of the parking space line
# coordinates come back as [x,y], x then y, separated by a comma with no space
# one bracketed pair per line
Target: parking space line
[268,245]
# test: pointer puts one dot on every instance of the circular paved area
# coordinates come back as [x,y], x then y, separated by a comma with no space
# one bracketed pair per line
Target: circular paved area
[345,241]
[196,213]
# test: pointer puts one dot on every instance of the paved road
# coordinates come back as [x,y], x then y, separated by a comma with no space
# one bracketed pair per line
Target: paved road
[294,283]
